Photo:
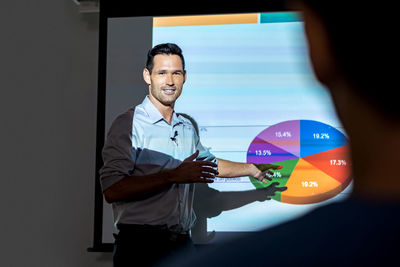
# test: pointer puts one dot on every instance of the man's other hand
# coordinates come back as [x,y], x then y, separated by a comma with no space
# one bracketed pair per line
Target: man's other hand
[192,171]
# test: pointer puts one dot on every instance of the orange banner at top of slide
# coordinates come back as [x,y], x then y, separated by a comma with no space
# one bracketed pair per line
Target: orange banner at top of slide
[205,20]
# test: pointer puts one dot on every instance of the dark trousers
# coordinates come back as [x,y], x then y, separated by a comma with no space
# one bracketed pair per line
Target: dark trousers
[143,245]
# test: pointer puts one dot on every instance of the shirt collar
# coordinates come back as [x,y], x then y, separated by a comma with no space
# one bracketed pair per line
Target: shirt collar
[154,114]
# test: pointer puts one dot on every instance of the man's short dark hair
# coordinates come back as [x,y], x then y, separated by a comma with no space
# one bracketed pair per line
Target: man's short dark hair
[165,49]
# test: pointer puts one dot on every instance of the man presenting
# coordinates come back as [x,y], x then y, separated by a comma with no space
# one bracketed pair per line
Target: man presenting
[152,158]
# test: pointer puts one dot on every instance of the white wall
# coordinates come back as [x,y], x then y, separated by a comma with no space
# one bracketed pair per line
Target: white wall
[48,90]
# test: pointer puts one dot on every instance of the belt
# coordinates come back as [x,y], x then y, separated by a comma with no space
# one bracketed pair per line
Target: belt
[159,230]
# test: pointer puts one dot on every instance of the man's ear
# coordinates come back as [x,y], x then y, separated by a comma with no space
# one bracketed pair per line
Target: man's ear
[320,47]
[146,76]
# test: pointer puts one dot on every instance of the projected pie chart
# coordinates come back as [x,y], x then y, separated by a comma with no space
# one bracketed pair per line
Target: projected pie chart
[314,157]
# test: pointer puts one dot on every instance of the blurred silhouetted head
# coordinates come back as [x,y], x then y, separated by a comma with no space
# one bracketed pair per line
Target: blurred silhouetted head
[363,38]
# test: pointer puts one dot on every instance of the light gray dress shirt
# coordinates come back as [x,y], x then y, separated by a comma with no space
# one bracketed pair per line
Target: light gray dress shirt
[141,142]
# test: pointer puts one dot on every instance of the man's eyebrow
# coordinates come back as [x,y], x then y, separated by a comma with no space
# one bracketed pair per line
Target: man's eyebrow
[173,71]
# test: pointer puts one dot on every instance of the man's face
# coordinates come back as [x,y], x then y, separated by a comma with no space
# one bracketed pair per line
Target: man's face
[166,80]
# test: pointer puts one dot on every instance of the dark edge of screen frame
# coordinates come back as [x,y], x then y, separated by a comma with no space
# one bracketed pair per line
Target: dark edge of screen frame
[119,8]
[98,245]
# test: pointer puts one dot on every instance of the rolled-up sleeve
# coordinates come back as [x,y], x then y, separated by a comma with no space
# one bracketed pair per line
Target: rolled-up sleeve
[204,152]
[118,152]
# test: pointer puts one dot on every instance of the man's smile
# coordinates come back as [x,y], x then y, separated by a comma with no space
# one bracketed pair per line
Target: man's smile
[169,91]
